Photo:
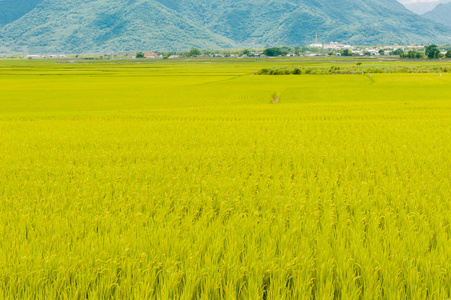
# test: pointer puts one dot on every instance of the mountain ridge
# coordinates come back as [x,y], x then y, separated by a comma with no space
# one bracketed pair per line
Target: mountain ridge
[11,10]
[440,14]
[82,26]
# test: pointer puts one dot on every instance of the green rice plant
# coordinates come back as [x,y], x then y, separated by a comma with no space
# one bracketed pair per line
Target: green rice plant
[171,180]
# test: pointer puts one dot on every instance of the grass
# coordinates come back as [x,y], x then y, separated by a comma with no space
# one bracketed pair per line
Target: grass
[172,180]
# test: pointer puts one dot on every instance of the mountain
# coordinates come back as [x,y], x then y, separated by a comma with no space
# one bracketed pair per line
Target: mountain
[80,26]
[11,10]
[295,22]
[441,14]
[423,7]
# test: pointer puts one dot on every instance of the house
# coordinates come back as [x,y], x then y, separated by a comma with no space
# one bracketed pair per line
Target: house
[174,56]
[33,57]
[337,46]
[151,55]
[316,45]
[358,52]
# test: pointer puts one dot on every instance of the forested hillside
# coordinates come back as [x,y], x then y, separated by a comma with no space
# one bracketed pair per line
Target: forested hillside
[106,25]
[80,26]
[441,14]
[11,10]
[294,22]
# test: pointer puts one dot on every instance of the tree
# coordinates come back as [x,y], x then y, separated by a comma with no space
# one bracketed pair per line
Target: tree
[397,52]
[412,54]
[194,52]
[346,52]
[246,52]
[139,55]
[274,52]
[432,52]
[448,54]
[381,52]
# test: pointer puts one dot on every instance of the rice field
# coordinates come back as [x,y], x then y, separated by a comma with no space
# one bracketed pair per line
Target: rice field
[173,180]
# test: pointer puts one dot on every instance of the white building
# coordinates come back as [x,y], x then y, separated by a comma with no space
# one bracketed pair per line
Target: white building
[337,46]
[316,45]
[33,57]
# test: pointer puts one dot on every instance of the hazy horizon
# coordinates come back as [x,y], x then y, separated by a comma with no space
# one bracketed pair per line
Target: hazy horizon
[422,6]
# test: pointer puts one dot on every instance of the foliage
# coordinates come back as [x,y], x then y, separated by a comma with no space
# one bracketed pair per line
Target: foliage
[448,54]
[194,52]
[140,55]
[412,54]
[346,52]
[432,51]
[275,51]
[398,51]
[246,52]
[358,69]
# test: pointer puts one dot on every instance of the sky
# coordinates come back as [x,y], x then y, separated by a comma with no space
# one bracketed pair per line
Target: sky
[422,6]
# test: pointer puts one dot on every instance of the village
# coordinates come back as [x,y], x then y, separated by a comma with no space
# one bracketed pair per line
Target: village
[312,50]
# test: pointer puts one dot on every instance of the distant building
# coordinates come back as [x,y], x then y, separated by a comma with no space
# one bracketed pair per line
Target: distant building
[151,55]
[372,51]
[174,56]
[316,45]
[337,46]
[33,57]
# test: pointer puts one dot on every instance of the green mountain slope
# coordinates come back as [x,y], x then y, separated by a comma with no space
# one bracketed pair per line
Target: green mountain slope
[80,26]
[11,10]
[441,14]
[295,22]
[76,26]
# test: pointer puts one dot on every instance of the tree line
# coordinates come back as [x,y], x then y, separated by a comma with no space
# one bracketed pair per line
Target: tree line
[430,51]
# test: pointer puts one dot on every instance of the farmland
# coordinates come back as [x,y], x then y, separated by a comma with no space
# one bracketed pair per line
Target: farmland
[184,181]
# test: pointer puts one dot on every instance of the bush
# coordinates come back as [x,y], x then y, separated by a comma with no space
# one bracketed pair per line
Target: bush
[193,52]
[412,54]
[353,70]
[275,52]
